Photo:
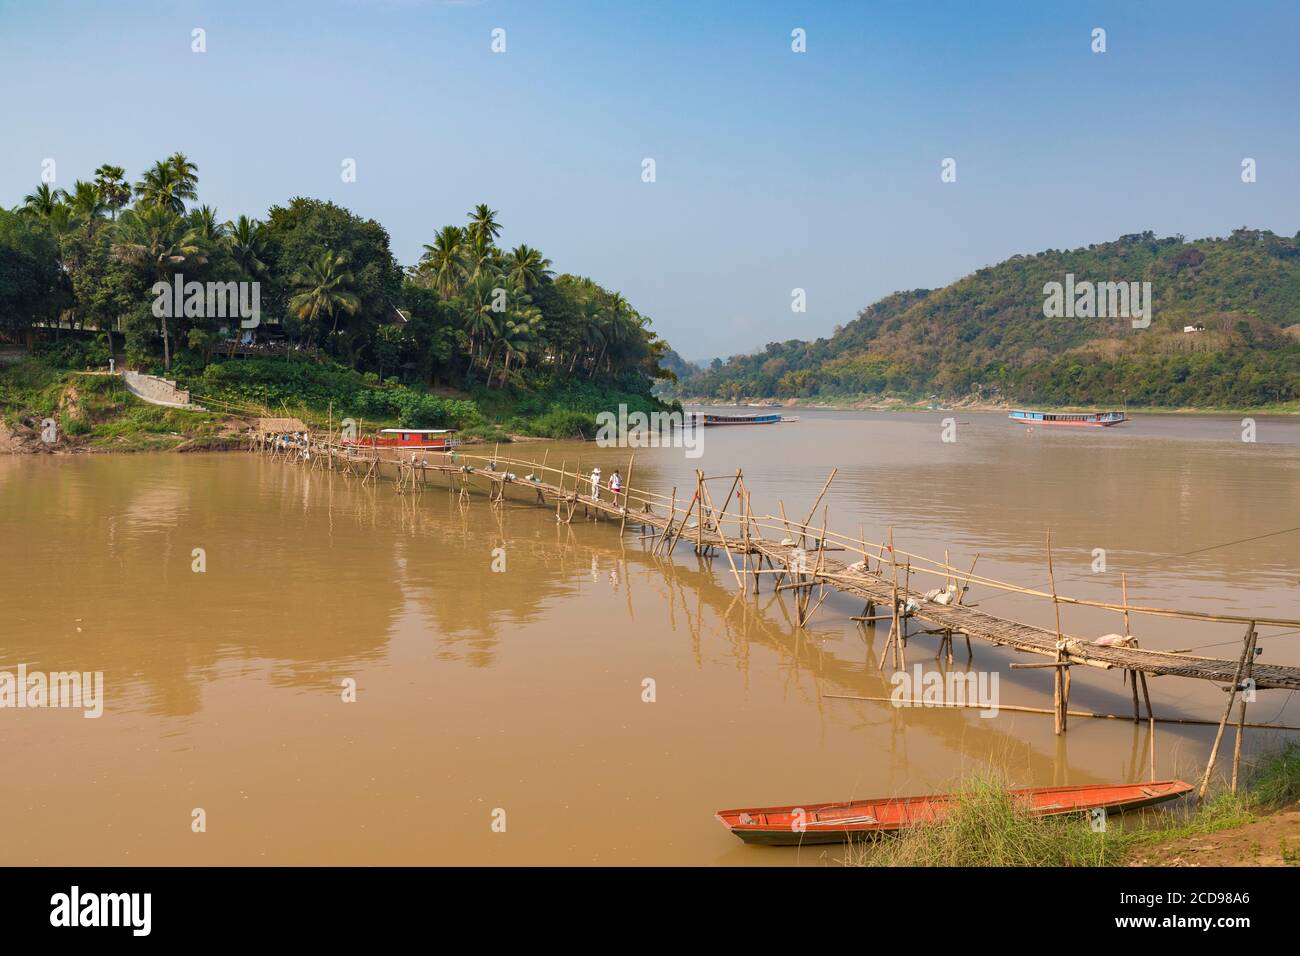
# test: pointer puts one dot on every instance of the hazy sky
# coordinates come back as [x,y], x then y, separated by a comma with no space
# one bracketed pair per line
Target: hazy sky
[775,170]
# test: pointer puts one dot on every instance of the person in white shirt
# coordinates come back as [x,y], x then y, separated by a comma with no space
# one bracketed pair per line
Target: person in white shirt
[595,484]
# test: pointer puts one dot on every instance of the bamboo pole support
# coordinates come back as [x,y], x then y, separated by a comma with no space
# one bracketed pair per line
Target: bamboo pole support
[1247,643]
[722,536]
[813,510]
[626,491]
[1241,716]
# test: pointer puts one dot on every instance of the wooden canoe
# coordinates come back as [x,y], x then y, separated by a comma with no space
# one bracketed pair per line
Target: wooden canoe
[841,822]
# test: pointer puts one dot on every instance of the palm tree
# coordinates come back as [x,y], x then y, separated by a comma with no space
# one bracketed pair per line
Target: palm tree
[516,338]
[185,172]
[86,204]
[593,333]
[527,269]
[444,261]
[324,289]
[44,202]
[477,315]
[481,256]
[483,222]
[113,188]
[246,241]
[164,185]
[159,239]
[203,221]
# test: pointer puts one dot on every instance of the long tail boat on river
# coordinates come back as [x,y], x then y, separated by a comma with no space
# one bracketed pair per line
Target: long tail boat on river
[1069,419]
[711,419]
[842,822]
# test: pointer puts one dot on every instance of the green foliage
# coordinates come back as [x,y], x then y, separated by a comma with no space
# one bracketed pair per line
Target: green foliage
[988,829]
[73,353]
[73,424]
[32,283]
[986,335]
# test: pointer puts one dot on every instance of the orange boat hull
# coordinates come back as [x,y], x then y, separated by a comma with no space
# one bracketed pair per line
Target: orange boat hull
[840,822]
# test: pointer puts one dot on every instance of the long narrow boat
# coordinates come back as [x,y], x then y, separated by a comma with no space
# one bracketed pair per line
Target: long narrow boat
[1071,419]
[841,822]
[710,419]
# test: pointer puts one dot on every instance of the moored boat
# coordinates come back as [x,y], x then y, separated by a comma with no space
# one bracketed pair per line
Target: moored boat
[709,419]
[841,822]
[1075,419]
[428,439]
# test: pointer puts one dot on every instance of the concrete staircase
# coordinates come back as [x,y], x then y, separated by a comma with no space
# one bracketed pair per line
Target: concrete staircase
[158,391]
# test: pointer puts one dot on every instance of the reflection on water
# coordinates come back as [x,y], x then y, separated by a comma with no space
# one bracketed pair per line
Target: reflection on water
[522,689]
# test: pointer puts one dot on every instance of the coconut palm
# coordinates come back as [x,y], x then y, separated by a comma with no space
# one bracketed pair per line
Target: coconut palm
[483,222]
[324,290]
[480,256]
[444,261]
[205,223]
[518,336]
[162,241]
[167,184]
[246,242]
[480,319]
[527,269]
[185,172]
[43,203]
[113,187]
[85,202]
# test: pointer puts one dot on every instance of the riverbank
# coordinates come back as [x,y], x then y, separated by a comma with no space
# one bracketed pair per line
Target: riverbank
[45,408]
[975,405]
[1259,826]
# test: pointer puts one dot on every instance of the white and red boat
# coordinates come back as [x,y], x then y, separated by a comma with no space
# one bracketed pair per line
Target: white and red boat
[1069,419]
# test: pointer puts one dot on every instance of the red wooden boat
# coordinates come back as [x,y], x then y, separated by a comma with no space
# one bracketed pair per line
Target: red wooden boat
[432,439]
[841,822]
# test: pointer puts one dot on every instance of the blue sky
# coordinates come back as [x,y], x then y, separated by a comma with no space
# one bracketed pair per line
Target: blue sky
[775,170]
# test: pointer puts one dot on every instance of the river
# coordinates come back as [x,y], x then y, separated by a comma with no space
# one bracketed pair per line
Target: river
[500,714]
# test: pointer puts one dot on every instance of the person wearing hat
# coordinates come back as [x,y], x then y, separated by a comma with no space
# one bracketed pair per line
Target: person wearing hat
[595,484]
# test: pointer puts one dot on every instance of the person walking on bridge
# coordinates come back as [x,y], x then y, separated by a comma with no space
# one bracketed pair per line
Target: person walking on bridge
[595,484]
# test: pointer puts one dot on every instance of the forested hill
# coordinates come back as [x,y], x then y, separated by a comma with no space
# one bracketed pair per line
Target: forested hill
[986,335]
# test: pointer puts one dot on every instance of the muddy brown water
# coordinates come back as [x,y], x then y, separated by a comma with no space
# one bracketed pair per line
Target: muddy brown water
[521,690]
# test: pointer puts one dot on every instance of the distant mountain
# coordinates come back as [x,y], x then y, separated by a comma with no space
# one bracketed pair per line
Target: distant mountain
[987,336]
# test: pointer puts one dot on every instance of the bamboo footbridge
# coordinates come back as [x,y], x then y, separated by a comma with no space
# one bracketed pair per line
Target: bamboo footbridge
[797,554]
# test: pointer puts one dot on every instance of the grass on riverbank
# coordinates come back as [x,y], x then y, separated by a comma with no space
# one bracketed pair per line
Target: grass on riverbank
[988,829]
[95,412]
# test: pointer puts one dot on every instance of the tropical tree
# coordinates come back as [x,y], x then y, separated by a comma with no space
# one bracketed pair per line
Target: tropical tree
[324,291]
[48,206]
[86,205]
[483,223]
[246,241]
[160,241]
[169,183]
[444,261]
[527,269]
[206,225]
[480,255]
[113,187]
[480,312]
